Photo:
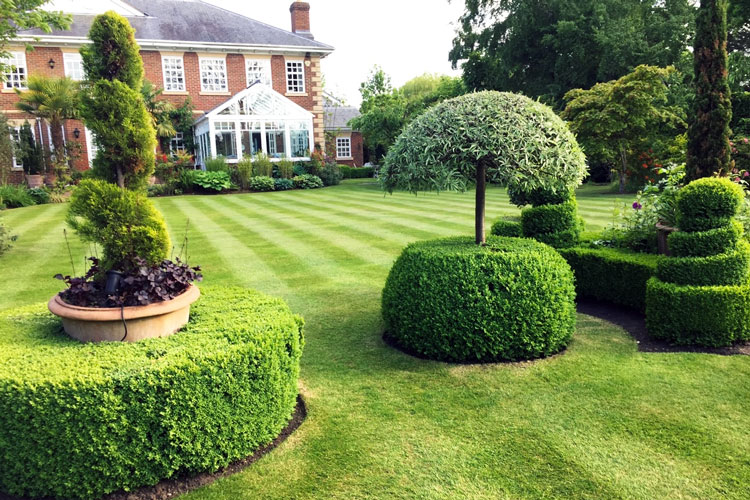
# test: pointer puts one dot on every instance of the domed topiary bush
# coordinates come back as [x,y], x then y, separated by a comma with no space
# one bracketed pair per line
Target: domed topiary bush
[78,421]
[452,300]
[700,295]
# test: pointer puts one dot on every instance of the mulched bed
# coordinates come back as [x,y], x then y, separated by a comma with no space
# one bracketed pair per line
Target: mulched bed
[170,488]
[634,323]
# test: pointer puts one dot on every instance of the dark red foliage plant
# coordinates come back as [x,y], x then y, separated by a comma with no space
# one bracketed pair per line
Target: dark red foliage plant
[142,286]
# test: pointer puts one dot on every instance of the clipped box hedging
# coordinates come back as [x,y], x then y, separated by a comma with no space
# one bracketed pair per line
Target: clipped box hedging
[610,274]
[453,300]
[78,421]
[730,268]
[705,243]
[708,203]
[549,218]
[505,227]
[712,316]
[357,172]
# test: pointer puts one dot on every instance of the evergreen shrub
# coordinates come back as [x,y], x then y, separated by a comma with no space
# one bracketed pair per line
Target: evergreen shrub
[125,223]
[80,420]
[708,203]
[453,300]
[612,275]
[505,227]
[356,172]
[283,184]
[705,243]
[730,268]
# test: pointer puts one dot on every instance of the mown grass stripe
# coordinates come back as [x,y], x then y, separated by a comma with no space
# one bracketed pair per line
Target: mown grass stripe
[241,265]
[383,234]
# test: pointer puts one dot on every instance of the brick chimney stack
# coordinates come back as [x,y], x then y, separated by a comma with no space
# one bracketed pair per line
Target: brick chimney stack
[301,19]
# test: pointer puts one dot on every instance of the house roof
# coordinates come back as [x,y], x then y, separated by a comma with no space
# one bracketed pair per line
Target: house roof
[337,117]
[192,21]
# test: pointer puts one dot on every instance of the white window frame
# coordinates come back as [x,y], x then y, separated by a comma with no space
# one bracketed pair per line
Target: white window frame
[213,74]
[16,62]
[73,64]
[173,73]
[343,145]
[295,77]
[91,147]
[177,143]
[258,69]
[15,136]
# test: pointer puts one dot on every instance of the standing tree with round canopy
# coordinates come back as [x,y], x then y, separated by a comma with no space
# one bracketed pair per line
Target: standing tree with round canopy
[496,136]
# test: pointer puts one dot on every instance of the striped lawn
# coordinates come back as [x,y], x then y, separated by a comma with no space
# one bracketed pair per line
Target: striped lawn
[601,421]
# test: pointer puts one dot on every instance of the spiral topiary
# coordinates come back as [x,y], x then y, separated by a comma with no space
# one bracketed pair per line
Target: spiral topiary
[449,299]
[708,274]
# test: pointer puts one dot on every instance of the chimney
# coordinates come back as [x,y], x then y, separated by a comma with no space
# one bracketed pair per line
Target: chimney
[301,19]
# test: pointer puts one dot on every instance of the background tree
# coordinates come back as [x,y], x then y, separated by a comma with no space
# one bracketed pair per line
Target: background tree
[544,49]
[113,106]
[54,100]
[19,15]
[708,135]
[617,119]
[385,110]
[482,136]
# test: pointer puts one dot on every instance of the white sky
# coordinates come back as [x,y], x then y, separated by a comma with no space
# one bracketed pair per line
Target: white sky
[406,37]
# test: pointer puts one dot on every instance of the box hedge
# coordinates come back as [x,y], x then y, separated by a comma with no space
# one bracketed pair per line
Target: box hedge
[453,300]
[506,227]
[610,274]
[78,421]
[708,203]
[730,268]
[712,316]
[357,172]
[705,243]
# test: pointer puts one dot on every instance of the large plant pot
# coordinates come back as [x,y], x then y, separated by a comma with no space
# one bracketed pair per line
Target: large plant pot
[100,324]
[34,181]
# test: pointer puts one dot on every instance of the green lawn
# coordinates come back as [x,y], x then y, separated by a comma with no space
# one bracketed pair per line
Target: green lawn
[600,421]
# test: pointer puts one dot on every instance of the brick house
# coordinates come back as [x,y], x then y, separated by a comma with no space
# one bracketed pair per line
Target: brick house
[254,87]
[342,142]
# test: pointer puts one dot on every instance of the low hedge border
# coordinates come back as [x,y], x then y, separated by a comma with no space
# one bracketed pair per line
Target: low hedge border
[78,421]
[705,243]
[711,316]
[357,172]
[612,275]
[453,300]
[729,268]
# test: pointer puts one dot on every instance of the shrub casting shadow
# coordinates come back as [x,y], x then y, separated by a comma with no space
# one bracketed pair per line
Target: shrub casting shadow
[170,488]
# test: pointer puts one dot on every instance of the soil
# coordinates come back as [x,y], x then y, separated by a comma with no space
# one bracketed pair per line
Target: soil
[634,323]
[170,488]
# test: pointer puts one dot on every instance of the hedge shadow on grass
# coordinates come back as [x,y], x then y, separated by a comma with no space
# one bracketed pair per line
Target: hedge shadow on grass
[171,488]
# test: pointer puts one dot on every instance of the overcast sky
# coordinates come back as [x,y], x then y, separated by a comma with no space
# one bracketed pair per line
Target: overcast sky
[406,37]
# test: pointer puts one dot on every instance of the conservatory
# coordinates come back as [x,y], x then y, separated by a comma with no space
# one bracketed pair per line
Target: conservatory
[258,119]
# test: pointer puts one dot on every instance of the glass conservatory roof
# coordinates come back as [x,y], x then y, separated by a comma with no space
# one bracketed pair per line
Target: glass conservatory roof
[258,100]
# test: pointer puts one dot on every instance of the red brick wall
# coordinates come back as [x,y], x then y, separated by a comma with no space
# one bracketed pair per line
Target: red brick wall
[311,99]
[357,146]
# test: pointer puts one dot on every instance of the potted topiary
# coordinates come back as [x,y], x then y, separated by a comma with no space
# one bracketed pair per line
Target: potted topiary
[30,154]
[133,292]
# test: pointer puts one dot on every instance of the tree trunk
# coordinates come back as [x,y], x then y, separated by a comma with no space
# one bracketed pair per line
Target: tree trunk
[479,211]
[120,178]
[623,169]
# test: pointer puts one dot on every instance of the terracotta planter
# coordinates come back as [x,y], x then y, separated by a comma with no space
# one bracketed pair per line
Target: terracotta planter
[99,324]
[34,181]
[662,232]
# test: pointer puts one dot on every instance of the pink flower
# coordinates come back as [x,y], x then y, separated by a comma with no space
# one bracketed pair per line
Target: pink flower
[745,140]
